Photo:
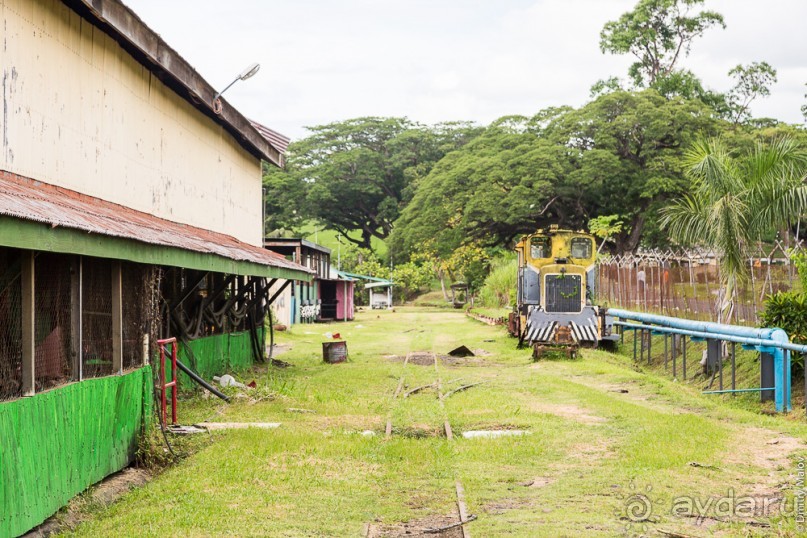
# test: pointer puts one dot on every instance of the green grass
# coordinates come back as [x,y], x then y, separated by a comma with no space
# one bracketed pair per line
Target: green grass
[590,445]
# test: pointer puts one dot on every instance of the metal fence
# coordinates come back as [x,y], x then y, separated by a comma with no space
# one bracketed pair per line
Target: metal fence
[52,321]
[687,282]
[72,318]
[11,323]
[96,317]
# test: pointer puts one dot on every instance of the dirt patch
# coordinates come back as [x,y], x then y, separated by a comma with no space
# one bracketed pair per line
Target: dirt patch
[570,411]
[768,451]
[419,431]
[417,527]
[763,448]
[584,453]
[503,505]
[104,494]
[421,359]
[537,482]
[448,360]
[395,358]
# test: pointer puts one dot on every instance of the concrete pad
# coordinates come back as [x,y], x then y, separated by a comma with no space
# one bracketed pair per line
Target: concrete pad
[492,434]
[239,425]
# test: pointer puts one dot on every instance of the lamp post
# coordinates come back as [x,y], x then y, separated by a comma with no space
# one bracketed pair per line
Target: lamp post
[245,74]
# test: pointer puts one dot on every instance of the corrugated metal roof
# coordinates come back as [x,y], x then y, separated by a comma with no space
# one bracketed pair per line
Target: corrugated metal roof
[279,141]
[32,200]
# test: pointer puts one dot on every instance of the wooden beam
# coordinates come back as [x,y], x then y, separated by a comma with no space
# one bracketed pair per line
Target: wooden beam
[28,340]
[117,318]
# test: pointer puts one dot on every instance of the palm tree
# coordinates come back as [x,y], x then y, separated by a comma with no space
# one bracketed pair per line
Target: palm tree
[734,200]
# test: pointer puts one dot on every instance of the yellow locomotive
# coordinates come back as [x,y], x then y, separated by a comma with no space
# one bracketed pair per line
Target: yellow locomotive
[557,279]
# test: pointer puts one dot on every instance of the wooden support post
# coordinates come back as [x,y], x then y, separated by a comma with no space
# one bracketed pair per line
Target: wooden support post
[28,341]
[117,318]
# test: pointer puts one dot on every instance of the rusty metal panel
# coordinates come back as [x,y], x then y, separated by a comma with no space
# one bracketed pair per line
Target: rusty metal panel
[31,200]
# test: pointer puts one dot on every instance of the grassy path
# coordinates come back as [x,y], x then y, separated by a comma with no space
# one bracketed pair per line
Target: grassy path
[601,434]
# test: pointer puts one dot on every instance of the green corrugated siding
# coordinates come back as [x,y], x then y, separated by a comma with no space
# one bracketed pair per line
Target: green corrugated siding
[217,355]
[56,444]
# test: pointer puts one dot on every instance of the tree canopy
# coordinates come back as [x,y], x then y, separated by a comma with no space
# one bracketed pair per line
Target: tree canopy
[356,174]
[658,33]
[620,154]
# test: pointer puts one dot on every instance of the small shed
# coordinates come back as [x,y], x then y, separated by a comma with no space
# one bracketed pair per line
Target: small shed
[380,294]
[336,296]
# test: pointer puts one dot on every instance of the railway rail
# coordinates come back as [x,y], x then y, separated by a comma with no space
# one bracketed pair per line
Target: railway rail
[462,508]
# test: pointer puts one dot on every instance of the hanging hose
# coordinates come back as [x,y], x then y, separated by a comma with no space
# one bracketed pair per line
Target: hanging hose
[202,382]
[254,340]
[194,376]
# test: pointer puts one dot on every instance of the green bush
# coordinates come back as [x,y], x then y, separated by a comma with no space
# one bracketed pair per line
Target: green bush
[788,311]
[499,289]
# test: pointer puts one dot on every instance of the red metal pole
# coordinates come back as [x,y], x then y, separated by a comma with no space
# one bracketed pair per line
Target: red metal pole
[162,381]
[174,381]
[172,384]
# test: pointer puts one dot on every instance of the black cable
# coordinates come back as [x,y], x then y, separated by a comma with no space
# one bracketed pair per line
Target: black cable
[157,409]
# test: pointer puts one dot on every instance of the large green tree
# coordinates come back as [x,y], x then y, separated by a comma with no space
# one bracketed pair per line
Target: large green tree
[621,154]
[356,174]
[494,188]
[627,152]
[735,199]
[658,33]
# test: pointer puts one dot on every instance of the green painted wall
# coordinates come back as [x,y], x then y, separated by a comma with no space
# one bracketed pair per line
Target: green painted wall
[217,355]
[56,444]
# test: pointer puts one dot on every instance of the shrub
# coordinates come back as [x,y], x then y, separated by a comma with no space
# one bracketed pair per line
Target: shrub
[788,311]
[499,289]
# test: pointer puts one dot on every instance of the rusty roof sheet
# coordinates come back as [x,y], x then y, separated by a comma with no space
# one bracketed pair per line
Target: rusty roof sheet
[33,200]
[279,141]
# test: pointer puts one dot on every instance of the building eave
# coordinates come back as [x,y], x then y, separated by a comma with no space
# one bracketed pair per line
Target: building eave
[150,50]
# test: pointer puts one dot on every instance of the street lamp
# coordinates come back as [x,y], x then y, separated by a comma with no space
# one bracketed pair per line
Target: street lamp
[248,72]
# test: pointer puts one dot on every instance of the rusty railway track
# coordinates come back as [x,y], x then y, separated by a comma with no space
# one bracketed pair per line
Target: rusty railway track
[462,508]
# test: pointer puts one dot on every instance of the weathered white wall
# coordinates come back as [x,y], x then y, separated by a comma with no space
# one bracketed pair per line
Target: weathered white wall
[80,113]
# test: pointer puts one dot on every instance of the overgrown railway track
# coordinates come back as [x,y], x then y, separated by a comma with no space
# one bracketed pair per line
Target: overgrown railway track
[462,509]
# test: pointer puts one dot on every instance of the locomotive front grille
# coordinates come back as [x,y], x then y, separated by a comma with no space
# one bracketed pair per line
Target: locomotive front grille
[563,293]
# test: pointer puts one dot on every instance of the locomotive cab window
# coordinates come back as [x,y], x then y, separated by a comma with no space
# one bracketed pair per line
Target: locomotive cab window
[540,247]
[581,248]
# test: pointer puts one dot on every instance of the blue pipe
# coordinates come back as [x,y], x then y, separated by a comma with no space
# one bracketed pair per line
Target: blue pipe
[691,325]
[736,390]
[775,340]
[758,342]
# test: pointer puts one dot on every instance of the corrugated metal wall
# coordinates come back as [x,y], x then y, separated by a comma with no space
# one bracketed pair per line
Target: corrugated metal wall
[83,114]
[56,444]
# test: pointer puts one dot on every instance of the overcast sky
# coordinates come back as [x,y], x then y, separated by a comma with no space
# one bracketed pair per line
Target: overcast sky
[439,60]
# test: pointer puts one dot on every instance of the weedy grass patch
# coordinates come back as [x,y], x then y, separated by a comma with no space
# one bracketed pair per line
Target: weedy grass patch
[602,436]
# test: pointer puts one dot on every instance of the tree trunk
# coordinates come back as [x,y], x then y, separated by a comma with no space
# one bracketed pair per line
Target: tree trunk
[442,278]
